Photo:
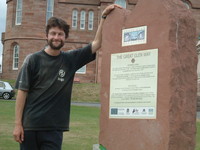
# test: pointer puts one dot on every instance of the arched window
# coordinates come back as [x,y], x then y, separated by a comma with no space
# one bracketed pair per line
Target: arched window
[50,6]
[74,18]
[82,20]
[18,19]
[121,3]
[90,20]
[15,57]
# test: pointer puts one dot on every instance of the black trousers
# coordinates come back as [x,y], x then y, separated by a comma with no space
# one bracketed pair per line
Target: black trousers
[42,140]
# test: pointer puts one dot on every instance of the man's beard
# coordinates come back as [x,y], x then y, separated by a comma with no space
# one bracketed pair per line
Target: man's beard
[50,43]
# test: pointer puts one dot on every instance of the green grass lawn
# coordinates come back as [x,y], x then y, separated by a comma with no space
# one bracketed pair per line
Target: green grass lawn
[84,128]
[86,92]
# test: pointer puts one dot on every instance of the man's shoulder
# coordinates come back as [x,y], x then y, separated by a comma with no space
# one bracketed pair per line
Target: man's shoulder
[77,50]
[32,57]
[38,53]
[67,53]
[35,55]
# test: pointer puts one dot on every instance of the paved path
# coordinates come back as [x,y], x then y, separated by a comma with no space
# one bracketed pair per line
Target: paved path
[86,104]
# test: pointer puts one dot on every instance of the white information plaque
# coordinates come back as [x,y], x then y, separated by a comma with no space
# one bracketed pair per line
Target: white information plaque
[134,36]
[133,85]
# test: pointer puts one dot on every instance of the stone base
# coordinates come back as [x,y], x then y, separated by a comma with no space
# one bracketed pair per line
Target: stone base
[96,147]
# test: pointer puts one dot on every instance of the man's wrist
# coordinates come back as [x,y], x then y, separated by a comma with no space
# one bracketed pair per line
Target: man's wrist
[18,123]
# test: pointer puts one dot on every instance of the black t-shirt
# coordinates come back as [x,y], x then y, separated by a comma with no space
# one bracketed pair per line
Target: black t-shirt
[49,80]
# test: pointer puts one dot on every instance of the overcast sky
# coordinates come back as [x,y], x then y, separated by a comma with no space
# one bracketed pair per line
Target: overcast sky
[2,23]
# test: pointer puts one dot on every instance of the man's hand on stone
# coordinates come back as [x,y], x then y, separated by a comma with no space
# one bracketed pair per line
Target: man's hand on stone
[108,9]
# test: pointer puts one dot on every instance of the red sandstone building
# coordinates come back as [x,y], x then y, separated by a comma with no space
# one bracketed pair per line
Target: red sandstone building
[25,29]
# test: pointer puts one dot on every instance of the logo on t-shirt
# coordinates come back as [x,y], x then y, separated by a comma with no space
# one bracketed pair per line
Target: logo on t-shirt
[61,75]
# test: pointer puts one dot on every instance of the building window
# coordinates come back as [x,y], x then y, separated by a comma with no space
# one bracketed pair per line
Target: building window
[50,6]
[82,20]
[90,20]
[15,57]
[18,20]
[121,3]
[82,70]
[74,18]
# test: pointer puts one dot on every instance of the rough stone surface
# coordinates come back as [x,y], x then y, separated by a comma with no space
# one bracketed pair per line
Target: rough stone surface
[171,29]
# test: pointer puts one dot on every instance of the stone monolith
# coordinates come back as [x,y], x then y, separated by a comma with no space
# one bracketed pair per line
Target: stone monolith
[148,78]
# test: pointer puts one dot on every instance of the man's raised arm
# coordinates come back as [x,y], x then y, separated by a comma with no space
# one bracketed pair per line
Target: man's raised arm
[96,44]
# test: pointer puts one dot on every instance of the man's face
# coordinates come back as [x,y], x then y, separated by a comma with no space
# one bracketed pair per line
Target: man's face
[56,38]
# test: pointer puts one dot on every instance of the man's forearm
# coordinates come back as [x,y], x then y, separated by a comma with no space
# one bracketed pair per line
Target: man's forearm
[18,131]
[19,108]
[96,44]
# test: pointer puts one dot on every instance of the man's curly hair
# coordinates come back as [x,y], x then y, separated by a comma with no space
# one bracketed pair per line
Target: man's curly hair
[57,22]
